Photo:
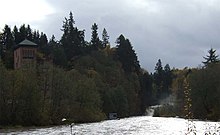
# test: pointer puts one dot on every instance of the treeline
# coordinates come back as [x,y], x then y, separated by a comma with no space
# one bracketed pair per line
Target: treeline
[197,90]
[82,81]
[47,94]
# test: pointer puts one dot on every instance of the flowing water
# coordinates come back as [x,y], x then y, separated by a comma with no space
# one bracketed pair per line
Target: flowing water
[145,125]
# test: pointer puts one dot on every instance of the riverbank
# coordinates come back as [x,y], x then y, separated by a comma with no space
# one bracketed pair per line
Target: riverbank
[171,111]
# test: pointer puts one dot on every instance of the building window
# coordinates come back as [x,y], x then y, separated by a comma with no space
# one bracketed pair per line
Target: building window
[28,54]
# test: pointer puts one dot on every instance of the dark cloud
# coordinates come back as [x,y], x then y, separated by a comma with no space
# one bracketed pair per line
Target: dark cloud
[178,32]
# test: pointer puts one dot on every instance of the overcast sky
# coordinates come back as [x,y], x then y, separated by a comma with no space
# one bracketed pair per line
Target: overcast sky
[178,32]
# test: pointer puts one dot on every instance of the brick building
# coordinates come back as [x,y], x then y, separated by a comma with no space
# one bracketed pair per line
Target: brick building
[25,54]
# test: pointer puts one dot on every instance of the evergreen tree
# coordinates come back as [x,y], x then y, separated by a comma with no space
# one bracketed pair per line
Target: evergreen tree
[43,44]
[16,35]
[159,68]
[1,52]
[95,41]
[6,38]
[29,35]
[7,42]
[146,93]
[53,42]
[126,55]
[36,37]
[158,74]
[1,48]
[168,76]
[105,38]
[58,54]
[72,39]
[22,33]
[158,78]
[211,58]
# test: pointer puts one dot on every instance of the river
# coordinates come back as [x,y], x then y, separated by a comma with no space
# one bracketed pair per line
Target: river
[145,125]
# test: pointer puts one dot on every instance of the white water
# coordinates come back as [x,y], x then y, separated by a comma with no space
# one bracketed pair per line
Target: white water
[150,110]
[145,125]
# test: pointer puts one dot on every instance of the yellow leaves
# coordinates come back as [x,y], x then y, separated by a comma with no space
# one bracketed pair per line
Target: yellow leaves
[188,100]
[91,73]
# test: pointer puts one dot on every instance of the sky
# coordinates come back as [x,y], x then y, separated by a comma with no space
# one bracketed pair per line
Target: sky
[179,32]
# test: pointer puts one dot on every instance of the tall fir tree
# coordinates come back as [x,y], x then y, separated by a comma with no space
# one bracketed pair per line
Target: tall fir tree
[7,42]
[16,35]
[105,38]
[126,55]
[146,93]
[211,58]
[58,54]
[43,44]
[168,76]
[22,33]
[29,35]
[158,78]
[72,39]
[1,49]
[36,37]
[95,41]
[7,38]
[158,74]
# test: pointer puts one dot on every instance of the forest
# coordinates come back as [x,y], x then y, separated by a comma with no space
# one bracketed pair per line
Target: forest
[84,81]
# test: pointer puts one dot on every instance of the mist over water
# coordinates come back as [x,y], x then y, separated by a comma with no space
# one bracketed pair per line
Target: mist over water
[168,101]
[151,109]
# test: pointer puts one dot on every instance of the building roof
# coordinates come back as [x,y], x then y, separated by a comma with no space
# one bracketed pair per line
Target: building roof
[27,42]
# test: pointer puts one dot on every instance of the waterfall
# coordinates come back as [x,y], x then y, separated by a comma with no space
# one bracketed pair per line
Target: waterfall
[150,110]
[166,103]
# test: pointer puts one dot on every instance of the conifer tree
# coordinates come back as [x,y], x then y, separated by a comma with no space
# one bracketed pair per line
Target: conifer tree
[158,74]
[1,49]
[6,38]
[7,42]
[29,35]
[167,78]
[58,54]
[211,58]
[105,38]
[127,55]
[158,78]
[53,41]
[16,35]
[95,41]
[36,37]
[43,44]
[72,39]
[22,33]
